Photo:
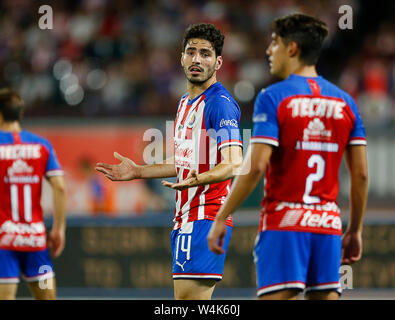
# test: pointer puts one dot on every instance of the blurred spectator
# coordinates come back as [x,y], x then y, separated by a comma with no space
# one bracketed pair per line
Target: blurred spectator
[101,190]
[122,57]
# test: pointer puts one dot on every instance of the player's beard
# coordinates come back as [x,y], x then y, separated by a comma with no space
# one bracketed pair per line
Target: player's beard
[200,81]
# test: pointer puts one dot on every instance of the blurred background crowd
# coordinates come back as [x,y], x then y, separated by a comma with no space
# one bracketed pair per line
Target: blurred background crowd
[121,59]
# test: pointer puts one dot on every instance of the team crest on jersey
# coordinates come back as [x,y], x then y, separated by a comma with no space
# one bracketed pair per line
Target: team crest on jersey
[316,130]
[192,120]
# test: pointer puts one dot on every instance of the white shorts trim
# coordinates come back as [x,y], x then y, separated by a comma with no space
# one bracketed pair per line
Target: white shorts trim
[325,286]
[9,280]
[197,276]
[281,286]
[40,277]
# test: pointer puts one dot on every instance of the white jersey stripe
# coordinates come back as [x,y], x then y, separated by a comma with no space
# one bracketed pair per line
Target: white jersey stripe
[202,201]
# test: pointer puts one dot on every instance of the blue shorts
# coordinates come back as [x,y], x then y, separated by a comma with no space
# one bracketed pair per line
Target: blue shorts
[192,259]
[34,266]
[297,260]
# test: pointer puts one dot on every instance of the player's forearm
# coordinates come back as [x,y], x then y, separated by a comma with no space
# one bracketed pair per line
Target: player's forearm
[59,198]
[220,172]
[242,187]
[166,169]
[356,160]
[161,170]
[254,165]
[358,200]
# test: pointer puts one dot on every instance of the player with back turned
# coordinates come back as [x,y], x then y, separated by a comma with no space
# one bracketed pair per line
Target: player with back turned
[25,159]
[207,151]
[302,127]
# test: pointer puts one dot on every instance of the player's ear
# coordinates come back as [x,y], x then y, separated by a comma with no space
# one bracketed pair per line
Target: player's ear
[218,63]
[292,49]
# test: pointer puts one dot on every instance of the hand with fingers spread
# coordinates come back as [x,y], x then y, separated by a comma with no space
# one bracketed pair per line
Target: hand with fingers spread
[351,247]
[190,181]
[124,171]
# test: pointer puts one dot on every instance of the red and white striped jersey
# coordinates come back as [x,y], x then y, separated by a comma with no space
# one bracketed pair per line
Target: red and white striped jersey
[25,159]
[202,127]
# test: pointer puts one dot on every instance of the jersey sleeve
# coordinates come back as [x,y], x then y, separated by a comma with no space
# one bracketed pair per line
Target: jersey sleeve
[265,121]
[53,167]
[223,118]
[357,134]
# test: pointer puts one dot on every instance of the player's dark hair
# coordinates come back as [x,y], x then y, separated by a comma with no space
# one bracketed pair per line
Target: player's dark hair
[206,31]
[11,105]
[308,32]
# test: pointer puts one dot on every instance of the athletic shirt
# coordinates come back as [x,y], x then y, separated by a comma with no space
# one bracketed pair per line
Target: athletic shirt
[203,126]
[309,121]
[25,159]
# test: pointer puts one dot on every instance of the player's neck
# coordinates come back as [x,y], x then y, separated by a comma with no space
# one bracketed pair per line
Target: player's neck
[13,126]
[303,70]
[195,90]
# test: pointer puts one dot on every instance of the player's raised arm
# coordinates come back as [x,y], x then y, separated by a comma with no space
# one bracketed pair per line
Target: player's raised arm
[356,161]
[56,239]
[128,170]
[254,165]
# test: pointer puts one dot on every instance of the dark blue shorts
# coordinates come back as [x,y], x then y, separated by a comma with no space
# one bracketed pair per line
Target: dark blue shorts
[34,266]
[192,259]
[297,260]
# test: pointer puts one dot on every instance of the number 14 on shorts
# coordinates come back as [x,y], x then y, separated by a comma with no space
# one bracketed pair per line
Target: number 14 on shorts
[184,245]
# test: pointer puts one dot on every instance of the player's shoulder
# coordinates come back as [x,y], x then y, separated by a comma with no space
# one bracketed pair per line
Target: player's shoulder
[218,95]
[280,90]
[30,137]
[332,90]
[5,137]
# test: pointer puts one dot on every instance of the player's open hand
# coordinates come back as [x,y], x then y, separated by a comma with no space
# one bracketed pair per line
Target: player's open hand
[351,247]
[126,170]
[56,242]
[216,236]
[190,181]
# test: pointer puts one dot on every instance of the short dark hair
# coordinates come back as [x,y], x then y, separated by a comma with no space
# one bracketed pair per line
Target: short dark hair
[11,105]
[307,31]
[206,31]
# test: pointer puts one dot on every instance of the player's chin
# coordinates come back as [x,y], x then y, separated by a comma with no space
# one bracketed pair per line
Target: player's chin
[197,78]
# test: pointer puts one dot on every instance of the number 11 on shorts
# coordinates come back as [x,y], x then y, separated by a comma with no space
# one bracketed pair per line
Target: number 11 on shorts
[184,245]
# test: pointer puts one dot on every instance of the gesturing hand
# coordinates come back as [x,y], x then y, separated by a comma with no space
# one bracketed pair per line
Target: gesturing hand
[190,181]
[126,170]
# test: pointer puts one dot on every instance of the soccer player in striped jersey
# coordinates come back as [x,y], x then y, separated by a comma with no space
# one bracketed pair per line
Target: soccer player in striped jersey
[25,159]
[207,153]
[302,127]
